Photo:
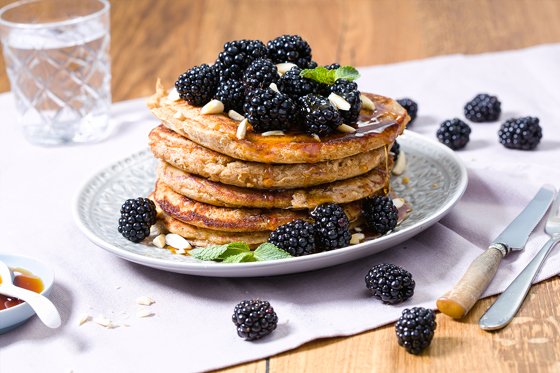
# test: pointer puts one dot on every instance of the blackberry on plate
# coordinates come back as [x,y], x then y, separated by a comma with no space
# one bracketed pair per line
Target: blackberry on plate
[317,116]
[232,94]
[521,133]
[348,90]
[260,73]
[390,283]
[137,216]
[483,108]
[411,108]
[297,238]
[197,85]
[396,150]
[380,214]
[267,110]
[454,133]
[254,319]
[415,329]
[237,56]
[290,48]
[332,226]
[296,86]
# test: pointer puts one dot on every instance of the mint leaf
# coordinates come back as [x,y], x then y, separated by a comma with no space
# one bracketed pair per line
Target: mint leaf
[209,252]
[268,251]
[346,72]
[246,256]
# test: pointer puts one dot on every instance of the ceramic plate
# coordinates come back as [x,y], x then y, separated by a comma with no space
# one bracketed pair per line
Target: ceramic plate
[437,177]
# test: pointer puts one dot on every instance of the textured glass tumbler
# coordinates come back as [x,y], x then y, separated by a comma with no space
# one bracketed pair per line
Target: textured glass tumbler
[57,59]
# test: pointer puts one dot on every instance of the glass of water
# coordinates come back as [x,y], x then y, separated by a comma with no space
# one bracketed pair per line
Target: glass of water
[57,59]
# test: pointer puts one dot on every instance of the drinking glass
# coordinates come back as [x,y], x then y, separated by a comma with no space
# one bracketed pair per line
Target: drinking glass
[57,59]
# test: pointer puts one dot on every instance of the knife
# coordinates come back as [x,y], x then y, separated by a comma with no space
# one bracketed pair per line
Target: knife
[459,300]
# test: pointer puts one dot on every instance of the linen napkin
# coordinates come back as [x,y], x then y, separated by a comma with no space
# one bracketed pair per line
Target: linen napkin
[191,329]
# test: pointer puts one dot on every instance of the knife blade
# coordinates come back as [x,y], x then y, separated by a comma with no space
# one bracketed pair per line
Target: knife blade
[459,300]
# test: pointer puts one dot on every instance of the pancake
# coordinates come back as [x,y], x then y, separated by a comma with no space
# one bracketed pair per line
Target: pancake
[200,189]
[195,159]
[218,132]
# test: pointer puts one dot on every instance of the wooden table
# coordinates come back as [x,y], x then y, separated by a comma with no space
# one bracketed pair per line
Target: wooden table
[164,38]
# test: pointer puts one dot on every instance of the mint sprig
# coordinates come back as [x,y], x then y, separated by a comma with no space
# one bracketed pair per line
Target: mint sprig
[324,75]
[239,252]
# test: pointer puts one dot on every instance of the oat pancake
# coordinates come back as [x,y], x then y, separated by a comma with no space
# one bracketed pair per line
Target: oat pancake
[200,189]
[218,132]
[195,159]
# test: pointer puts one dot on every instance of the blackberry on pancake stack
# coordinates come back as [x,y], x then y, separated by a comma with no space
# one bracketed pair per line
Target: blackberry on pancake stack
[228,176]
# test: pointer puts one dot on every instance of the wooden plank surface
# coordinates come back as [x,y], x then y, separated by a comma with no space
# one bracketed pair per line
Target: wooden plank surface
[164,38]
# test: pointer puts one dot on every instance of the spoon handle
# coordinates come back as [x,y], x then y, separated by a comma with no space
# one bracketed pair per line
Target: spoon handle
[42,306]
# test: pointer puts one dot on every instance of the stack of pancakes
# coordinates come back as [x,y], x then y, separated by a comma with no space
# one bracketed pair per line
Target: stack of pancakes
[214,188]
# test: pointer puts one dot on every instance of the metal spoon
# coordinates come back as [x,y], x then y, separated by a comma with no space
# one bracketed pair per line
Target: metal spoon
[42,306]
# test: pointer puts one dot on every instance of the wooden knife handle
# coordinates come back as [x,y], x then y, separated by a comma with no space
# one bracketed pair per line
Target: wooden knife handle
[458,301]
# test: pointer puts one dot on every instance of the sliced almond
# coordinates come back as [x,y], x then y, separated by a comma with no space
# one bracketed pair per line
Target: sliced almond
[101,320]
[242,129]
[159,241]
[316,137]
[272,133]
[144,312]
[398,202]
[401,163]
[235,115]
[367,103]
[274,87]
[176,241]
[173,95]
[179,115]
[213,107]
[339,102]
[145,301]
[84,317]
[284,67]
[356,238]
[358,229]
[345,128]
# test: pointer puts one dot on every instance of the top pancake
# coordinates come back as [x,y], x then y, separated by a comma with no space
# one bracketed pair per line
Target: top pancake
[218,132]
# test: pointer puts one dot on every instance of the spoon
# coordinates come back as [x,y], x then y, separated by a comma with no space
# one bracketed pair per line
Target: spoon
[42,306]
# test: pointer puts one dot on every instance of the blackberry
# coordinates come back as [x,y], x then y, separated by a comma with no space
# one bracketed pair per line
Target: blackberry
[521,133]
[232,94]
[411,108]
[260,73]
[296,86]
[380,214]
[348,90]
[415,329]
[396,150]
[197,85]
[483,108]
[390,283]
[297,238]
[290,48]
[268,110]
[333,66]
[316,115]
[254,319]
[238,55]
[137,216]
[332,226]
[454,133]
[312,65]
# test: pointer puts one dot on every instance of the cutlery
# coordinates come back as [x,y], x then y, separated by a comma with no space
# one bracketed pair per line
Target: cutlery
[507,305]
[42,306]
[459,300]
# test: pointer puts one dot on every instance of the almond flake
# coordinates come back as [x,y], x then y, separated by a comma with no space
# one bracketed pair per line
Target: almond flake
[242,129]
[316,137]
[356,238]
[144,312]
[159,241]
[346,128]
[358,229]
[273,133]
[235,115]
[179,115]
[83,318]
[173,95]
[401,163]
[213,107]
[145,301]
[176,241]
[398,202]
[101,320]
[339,102]
[284,67]
[367,103]
[274,87]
